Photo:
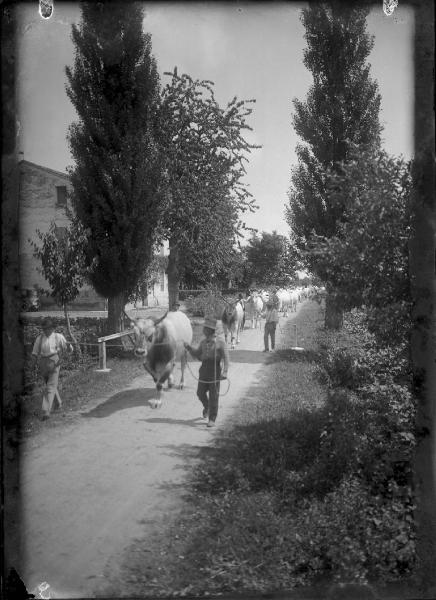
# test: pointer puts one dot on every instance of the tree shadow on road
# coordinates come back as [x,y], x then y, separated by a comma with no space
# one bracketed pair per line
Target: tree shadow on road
[122,400]
[248,356]
[267,358]
[198,421]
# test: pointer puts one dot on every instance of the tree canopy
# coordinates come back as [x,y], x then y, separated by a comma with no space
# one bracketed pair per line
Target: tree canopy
[63,262]
[114,87]
[270,260]
[367,259]
[341,112]
[204,153]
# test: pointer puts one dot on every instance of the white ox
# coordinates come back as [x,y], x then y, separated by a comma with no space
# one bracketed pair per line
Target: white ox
[253,309]
[232,319]
[285,300]
[161,342]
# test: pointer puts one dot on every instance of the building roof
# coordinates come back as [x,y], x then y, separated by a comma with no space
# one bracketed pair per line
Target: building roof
[45,169]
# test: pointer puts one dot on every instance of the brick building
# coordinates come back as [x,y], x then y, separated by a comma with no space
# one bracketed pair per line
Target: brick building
[43,198]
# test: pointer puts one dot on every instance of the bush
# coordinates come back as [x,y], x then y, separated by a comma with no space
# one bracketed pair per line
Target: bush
[209,302]
[355,535]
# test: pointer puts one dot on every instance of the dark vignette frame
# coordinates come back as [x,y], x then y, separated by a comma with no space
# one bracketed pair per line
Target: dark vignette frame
[422,276]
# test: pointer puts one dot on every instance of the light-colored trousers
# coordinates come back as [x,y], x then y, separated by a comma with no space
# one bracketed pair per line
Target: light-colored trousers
[50,373]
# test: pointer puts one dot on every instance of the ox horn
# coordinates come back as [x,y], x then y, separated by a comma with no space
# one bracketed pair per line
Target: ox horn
[161,319]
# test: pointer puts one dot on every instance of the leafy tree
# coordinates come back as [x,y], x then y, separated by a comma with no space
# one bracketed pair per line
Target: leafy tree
[63,263]
[114,87]
[150,278]
[341,110]
[367,259]
[270,260]
[205,194]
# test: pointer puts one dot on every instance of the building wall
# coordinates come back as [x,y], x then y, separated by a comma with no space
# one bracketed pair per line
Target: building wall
[37,209]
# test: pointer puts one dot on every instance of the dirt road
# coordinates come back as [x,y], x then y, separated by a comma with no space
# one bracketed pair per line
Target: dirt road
[91,488]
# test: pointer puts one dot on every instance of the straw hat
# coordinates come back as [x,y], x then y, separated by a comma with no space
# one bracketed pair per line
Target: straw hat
[210,323]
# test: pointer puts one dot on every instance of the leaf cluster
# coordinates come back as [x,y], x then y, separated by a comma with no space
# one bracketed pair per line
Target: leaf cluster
[204,152]
[63,260]
[367,259]
[270,260]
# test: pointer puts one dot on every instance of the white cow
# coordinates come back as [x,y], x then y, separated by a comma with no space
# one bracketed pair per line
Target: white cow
[285,299]
[232,319]
[253,309]
[161,342]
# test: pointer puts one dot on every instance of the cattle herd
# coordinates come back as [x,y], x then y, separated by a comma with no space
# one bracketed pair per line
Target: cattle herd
[160,341]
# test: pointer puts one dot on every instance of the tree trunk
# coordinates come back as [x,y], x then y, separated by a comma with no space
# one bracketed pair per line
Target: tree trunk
[70,333]
[423,288]
[173,275]
[334,314]
[115,315]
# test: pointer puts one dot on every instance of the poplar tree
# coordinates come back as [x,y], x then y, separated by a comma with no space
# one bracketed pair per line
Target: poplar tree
[341,111]
[114,87]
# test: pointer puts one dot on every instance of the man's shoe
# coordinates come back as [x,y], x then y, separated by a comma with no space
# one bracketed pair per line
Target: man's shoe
[211,424]
[266,350]
[205,413]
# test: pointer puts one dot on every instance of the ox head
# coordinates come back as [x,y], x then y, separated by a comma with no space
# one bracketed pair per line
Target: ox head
[144,331]
[151,342]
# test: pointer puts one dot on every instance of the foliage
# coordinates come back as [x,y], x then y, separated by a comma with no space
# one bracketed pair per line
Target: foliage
[204,151]
[150,278]
[114,87]
[208,302]
[367,259]
[341,109]
[270,260]
[63,260]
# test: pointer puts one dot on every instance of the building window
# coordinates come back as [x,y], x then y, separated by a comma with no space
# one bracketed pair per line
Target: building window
[61,196]
[162,281]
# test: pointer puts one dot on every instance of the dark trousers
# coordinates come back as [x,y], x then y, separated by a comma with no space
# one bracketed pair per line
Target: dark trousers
[270,331]
[208,393]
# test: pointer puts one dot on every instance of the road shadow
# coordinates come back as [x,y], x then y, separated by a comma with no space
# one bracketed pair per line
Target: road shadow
[197,422]
[122,400]
[248,356]
[291,355]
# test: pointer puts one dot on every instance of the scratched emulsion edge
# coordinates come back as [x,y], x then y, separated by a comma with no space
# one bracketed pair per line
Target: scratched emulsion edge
[12,335]
[423,286]
[12,345]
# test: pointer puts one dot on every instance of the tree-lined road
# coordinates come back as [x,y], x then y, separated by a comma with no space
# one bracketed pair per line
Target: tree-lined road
[90,489]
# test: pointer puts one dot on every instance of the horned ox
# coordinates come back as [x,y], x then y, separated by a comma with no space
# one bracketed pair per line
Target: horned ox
[232,319]
[161,342]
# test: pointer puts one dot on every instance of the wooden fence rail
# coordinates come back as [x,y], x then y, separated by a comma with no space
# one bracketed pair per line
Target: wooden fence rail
[102,348]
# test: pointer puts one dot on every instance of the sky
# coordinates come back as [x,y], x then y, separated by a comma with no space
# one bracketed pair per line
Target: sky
[249,50]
